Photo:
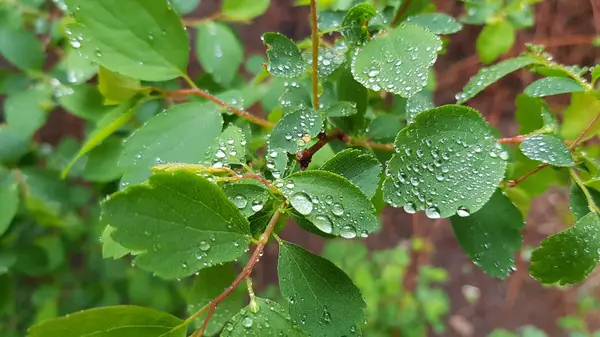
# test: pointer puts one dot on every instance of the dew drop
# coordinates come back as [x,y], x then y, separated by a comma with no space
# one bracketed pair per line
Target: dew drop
[204,246]
[323,223]
[409,208]
[348,232]
[240,201]
[257,205]
[247,322]
[302,203]
[337,209]
[463,212]
[432,213]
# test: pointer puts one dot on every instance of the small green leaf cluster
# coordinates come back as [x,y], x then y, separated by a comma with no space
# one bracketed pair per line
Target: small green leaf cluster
[189,181]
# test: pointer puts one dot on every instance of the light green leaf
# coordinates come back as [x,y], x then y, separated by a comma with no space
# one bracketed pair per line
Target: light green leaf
[579,203]
[117,88]
[208,285]
[354,25]
[331,202]
[488,76]
[228,148]
[595,73]
[262,318]
[153,47]
[181,221]
[548,149]
[244,10]
[549,86]
[447,161]
[109,124]
[532,331]
[412,49]
[86,102]
[294,131]
[495,40]
[583,109]
[219,51]
[437,23]
[360,168]
[330,58]
[248,197]
[285,59]
[24,111]
[116,321]
[14,145]
[111,248]
[492,235]
[9,199]
[184,7]
[22,49]
[340,109]
[323,299]
[570,256]
[102,161]
[182,133]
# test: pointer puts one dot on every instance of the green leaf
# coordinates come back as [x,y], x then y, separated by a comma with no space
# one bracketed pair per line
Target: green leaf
[262,318]
[354,25]
[117,321]
[330,58]
[413,49]
[492,235]
[111,248]
[349,90]
[579,203]
[115,87]
[22,49]
[488,76]
[437,23]
[219,51]
[553,86]
[184,7]
[242,10]
[102,161]
[208,285]
[24,111]
[384,128]
[331,202]
[181,221]
[86,101]
[548,149]
[533,114]
[182,133]
[248,197]
[293,132]
[583,109]
[109,124]
[48,197]
[295,97]
[78,69]
[323,299]
[340,109]
[421,101]
[595,73]
[14,145]
[360,168]
[9,199]
[153,47]
[285,59]
[228,148]
[447,162]
[495,40]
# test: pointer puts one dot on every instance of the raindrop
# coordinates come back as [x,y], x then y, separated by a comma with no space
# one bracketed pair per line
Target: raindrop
[257,205]
[463,212]
[348,232]
[323,223]
[247,322]
[240,201]
[204,246]
[302,203]
[409,208]
[337,209]
[432,213]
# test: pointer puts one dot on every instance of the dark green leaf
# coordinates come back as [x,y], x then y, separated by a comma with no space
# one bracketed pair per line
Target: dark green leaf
[14,145]
[438,23]
[331,202]
[360,168]
[570,256]
[488,76]
[117,321]
[22,48]
[340,109]
[248,197]
[294,131]
[492,235]
[153,47]
[228,148]
[348,89]
[354,27]
[219,51]
[384,128]
[241,10]
[9,199]
[553,86]
[323,299]
[262,318]
[24,111]
[495,40]
[48,196]
[548,149]
[86,102]
[533,114]
[182,133]
[579,203]
[208,285]
[181,221]
[412,49]
[447,161]
[78,69]
[285,59]
[101,165]
[296,96]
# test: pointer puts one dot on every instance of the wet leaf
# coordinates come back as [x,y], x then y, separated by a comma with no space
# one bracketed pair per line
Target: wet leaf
[354,28]
[248,197]
[219,51]
[549,86]
[570,256]
[437,23]
[9,199]
[294,131]
[111,248]
[340,109]
[267,318]
[285,59]
[25,111]
[447,162]
[361,168]
[330,58]
[578,201]
[421,101]
[548,149]
[228,148]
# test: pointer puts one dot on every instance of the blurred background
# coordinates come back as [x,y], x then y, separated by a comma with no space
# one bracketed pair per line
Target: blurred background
[415,264]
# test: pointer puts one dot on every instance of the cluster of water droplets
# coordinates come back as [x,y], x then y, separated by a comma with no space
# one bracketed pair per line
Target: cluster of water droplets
[443,173]
[548,149]
[242,202]
[253,320]
[228,149]
[285,60]
[295,97]
[329,59]
[277,160]
[296,130]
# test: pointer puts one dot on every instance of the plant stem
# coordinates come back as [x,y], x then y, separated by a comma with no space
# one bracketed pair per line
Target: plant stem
[305,157]
[591,203]
[511,140]
[513,183]
[315,53]
[587,128]
[371,145]
[246,271]
[198,313]
[401,12]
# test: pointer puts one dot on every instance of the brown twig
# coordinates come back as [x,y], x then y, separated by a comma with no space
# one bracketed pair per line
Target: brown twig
[315,53]
[246,271]
[305,157]
[199,92]
[513,183]
[401,12]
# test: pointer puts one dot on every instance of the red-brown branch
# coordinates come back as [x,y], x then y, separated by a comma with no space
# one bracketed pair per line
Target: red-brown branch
[305,157]
[315,53]
[401,12]
[513,183]
[511,140]
[239,112]
[264,238]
